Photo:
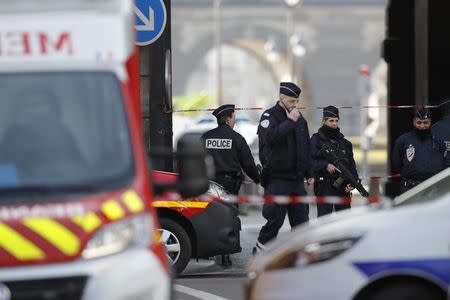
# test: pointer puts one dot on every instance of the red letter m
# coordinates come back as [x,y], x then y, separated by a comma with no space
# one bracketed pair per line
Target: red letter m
[64,39]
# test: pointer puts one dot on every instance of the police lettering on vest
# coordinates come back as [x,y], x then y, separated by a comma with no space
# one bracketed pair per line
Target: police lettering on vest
[218,143]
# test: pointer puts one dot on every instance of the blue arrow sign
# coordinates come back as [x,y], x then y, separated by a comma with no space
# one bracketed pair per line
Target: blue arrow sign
[151,17]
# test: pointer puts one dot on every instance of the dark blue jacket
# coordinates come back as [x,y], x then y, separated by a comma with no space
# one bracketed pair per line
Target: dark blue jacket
[344,150]
[441,131]
[284,144]
[415,158]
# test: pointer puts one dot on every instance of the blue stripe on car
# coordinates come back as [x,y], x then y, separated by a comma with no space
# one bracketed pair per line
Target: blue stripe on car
[438,268]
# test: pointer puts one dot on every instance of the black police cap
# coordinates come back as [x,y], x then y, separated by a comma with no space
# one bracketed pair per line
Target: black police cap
[422,113]
[222,110]
[331,112]
[290,89]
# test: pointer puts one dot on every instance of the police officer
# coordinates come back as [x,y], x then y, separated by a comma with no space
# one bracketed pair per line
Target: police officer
[327,177]
[417,154]
[231,154]
[441,129]
[230,151]
[284,154]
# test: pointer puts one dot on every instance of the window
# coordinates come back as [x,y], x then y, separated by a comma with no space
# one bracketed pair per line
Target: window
[61,129]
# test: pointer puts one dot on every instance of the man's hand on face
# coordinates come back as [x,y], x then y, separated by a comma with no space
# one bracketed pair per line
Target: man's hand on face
[294,115]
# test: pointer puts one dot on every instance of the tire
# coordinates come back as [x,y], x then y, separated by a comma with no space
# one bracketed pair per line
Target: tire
[177,243]
[407,291]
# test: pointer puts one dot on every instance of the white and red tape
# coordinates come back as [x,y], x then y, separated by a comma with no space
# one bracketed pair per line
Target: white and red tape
[255,199]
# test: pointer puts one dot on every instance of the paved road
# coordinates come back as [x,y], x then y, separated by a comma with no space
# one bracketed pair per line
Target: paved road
[207,280]
[213,287]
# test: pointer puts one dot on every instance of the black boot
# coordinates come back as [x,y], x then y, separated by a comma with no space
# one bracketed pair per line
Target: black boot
[259,247]
[226,260]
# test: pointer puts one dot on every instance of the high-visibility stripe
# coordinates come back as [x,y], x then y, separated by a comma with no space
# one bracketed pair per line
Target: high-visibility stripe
[55,233]
[88,222]
[112,210]
[157,235]
[17,245]
[189,204]
[133,201]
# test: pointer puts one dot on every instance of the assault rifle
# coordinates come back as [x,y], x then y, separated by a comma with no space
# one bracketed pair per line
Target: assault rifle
[346,175]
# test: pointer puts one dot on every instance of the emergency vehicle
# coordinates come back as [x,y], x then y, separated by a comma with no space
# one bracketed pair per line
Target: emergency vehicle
[197,228]
[76,220]
[398,252]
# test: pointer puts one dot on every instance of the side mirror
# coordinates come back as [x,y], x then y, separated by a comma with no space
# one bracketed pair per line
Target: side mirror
[192,168]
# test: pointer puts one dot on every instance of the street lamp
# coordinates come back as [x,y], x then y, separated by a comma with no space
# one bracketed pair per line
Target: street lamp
[291,5]
[217,6]
[297,45]
[272,50]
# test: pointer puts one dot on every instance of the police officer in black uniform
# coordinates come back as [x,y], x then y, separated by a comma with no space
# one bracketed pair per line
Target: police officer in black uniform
[230,151]
[231,155]
[417,154]
[284,154]
[327,177]
[441,129]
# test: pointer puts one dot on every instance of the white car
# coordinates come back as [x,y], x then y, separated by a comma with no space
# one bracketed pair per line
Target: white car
[375,253]
[243,125]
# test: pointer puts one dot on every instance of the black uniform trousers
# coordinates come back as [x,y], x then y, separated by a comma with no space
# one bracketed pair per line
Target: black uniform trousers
[326,209]
[275,213]
[327,189]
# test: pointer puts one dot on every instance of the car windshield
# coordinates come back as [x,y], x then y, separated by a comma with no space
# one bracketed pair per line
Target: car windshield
[62,130]
[431,189]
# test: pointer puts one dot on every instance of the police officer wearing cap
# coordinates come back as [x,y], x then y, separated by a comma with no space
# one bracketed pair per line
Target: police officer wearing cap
[441,129]
[327,176]
[284,154]
[231,154]
[230,151]
[417,154]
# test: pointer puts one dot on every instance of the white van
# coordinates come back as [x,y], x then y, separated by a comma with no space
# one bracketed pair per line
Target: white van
[76,218]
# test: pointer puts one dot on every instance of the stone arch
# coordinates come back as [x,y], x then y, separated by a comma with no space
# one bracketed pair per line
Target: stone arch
[239,35]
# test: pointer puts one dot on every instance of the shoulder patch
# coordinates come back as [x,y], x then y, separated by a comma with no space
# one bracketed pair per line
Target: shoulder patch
[266,114]
[410,151]
[265,123]
[218,143]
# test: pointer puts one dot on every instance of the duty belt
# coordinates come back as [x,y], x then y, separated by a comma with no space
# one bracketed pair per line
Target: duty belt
[336,182]
[326,179]
[410,182]
[285,176]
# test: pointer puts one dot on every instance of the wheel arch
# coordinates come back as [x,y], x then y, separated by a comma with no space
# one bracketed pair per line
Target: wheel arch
[399,278]
[184,222]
